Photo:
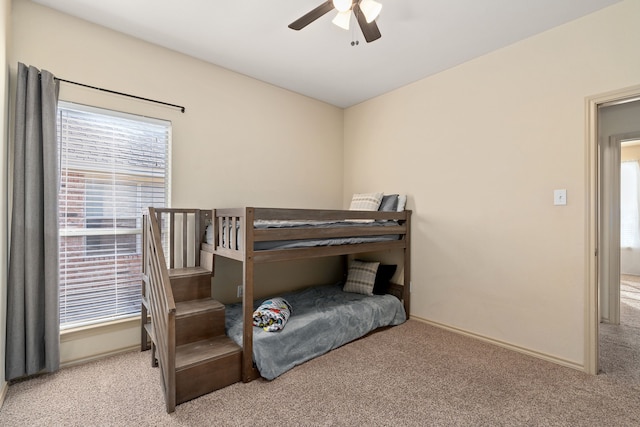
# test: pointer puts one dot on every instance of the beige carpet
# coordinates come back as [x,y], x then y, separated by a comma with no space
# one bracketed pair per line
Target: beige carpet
[620,344]
[410,375]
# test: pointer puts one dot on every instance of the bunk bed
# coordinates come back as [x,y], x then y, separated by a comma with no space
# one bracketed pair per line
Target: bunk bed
[260,235]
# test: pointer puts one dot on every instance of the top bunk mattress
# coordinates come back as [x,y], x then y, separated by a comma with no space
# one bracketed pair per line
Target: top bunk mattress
[306,243]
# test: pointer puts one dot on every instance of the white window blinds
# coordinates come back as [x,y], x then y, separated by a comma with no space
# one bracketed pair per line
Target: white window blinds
[113,165]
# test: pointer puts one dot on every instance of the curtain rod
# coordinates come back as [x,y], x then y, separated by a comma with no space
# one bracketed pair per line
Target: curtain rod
[182,109]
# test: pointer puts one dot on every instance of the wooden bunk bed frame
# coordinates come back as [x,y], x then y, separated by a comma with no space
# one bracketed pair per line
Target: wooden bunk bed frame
[228,222]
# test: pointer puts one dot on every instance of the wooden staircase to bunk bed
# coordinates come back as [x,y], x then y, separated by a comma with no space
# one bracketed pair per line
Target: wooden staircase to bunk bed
[180,322]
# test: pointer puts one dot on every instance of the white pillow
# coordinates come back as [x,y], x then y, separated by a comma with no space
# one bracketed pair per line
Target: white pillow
[208,233]
[365,201]
[361,277]
[402,201]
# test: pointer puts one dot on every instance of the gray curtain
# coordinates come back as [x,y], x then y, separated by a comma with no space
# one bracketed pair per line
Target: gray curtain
[33,328]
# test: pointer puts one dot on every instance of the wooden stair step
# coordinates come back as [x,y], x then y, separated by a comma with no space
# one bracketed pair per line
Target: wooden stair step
[148,327]
[192,354]
[198,306]
[187,271]
[190,283]
[205,366]
[199,319]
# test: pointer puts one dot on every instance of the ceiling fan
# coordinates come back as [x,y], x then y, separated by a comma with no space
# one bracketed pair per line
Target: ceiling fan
[366,11]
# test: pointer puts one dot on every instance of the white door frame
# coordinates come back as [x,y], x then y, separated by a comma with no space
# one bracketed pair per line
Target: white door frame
[592,315]
[609,240]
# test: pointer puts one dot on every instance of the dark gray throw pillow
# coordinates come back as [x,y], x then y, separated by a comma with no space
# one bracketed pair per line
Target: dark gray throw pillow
[389,203]
[383,278]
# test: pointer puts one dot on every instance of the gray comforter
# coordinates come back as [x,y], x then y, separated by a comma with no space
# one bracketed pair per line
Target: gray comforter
[322,318]
[307,243]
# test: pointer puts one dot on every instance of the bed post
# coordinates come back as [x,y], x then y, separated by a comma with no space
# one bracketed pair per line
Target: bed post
[406,297]
[247,297]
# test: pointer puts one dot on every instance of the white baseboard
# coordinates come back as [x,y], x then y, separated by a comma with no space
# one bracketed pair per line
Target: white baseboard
[509,346]
[3,392]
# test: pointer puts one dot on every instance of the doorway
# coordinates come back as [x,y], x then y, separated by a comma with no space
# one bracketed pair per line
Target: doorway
[612,118]
[617,251]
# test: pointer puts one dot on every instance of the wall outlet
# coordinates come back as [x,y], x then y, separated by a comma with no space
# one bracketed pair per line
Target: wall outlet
[239,291]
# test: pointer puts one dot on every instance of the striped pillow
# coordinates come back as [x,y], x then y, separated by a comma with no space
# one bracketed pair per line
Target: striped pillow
[361,277]
[365,202]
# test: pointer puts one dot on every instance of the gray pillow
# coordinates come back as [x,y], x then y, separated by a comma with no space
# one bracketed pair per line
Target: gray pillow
[389,203]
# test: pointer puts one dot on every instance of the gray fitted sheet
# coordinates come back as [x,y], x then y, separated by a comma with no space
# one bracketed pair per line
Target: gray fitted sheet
[322,318]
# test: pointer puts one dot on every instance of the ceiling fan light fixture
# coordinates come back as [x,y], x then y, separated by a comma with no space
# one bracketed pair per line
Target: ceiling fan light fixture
[342,5]
[370,8]
[370,29]
[342,19]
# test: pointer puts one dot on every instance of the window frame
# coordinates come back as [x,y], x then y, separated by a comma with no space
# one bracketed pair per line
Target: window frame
[136,250]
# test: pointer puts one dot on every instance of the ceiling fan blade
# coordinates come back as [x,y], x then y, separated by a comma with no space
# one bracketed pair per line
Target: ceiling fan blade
[312,16]
[369,29]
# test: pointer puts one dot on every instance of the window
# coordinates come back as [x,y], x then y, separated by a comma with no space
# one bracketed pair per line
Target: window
[630,205]
[112,166]
[100,215]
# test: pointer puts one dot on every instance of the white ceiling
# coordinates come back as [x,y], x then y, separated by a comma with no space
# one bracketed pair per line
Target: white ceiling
[419,37]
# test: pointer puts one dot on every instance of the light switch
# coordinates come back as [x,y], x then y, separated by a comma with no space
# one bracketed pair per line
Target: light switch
[560,197]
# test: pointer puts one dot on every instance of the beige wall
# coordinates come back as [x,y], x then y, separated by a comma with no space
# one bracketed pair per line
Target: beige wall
[241,142]
[5,36]
[480,149]
[630,153]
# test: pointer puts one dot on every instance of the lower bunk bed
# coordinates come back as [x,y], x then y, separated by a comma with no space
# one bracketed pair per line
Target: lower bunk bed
[324,317]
